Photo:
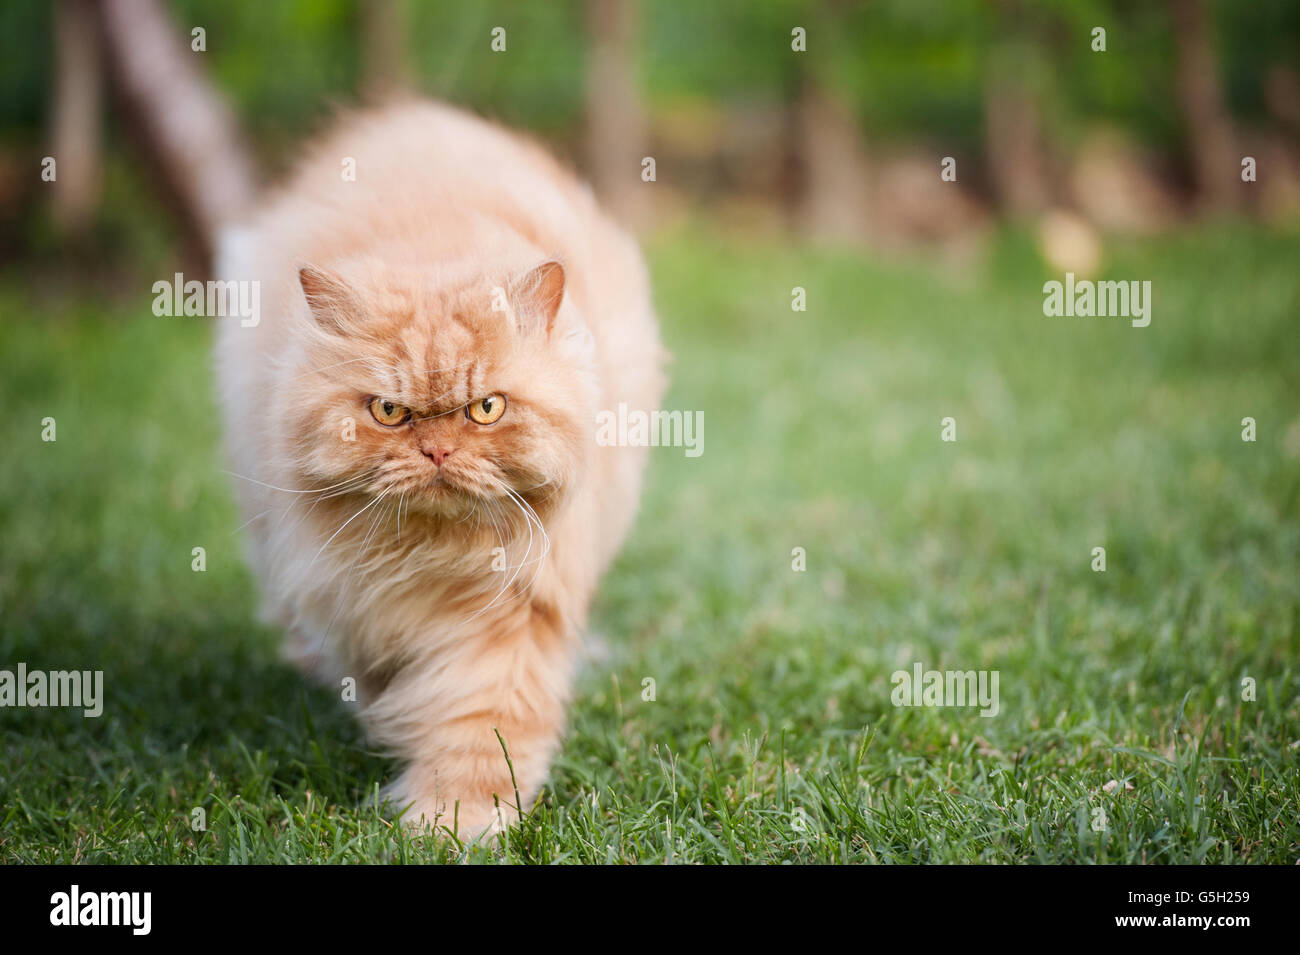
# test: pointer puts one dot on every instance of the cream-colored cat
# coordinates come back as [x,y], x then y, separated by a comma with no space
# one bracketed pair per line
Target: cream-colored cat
[445,310]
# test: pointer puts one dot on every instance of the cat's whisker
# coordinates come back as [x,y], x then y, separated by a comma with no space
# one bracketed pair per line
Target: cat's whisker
[532,520]
[333,490]
[380,517]
[518,569]
[471,512]
[345,524]
[531,514]
[527,552]
[351,487]
[325,368]
[438,414]
[491,603]
[345,487]
[501,537]
[287,490]
[251,519]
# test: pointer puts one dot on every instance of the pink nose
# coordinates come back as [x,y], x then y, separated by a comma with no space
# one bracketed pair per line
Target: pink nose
[438,454]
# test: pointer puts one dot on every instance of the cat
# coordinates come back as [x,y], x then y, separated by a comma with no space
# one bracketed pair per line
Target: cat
[411,426]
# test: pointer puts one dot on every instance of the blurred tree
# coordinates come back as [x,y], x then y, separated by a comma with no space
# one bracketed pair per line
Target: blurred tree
[183,127]
[1013,135]
[75,140]
[829,146]
[738,120]
[834,169]
[616,140]
[1200,93]
[385,66]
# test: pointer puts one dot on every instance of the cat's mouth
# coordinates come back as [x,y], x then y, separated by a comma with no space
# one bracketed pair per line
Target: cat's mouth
[449,493]
[446,480]
[442,490]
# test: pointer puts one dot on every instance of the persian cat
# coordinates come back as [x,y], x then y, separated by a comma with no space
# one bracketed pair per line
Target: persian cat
[411,422]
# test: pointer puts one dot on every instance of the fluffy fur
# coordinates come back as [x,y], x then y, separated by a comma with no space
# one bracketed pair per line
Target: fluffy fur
[445,565]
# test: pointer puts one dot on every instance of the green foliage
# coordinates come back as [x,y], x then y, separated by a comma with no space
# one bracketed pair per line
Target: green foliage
[283,64]
[912,71]
[911,68]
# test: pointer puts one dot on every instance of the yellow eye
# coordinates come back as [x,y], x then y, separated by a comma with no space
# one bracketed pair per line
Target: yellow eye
[486,410]
[388,412]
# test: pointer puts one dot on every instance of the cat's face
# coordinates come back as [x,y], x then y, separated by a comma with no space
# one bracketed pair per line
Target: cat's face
[442,396]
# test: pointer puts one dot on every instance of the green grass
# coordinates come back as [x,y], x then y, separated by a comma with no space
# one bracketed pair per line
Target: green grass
[772,737]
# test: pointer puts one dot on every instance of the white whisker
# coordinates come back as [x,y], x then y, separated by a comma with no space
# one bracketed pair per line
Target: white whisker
[340,530]
[287,490]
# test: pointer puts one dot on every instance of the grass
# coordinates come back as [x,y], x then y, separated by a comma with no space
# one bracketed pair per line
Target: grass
[772,737]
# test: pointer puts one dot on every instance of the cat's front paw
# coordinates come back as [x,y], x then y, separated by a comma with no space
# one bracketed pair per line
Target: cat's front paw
[469,820]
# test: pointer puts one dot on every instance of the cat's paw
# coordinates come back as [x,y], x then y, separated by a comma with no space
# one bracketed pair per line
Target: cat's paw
[469,824]
[468,820]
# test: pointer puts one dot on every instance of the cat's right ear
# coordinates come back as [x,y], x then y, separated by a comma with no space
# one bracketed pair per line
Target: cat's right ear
[329,298]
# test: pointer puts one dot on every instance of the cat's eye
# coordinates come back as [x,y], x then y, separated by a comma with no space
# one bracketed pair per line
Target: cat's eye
[389,413]
[486,410]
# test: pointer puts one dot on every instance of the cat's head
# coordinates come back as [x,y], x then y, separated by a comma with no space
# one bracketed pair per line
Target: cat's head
[442,389]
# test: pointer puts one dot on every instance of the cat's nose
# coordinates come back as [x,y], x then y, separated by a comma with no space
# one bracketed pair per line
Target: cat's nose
[438,455]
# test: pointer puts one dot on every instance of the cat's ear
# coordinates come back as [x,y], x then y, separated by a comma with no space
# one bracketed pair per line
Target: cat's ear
[329,297]
[536,296]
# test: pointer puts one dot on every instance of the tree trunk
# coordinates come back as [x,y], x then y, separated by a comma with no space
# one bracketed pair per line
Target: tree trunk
[1013,136]
[616,140]
[75,138]
[835,201]
[1200,92]
[385,67]
[182,126]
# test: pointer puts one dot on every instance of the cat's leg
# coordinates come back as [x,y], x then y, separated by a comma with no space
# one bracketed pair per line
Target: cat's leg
[457,716]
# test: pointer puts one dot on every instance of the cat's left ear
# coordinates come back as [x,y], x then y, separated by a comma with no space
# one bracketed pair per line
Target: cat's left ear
[329,298]
[536,296]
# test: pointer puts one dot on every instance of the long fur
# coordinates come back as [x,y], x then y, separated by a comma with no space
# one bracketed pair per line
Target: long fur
[454,596]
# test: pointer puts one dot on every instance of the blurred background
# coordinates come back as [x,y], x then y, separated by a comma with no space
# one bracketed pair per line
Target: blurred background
[159,130]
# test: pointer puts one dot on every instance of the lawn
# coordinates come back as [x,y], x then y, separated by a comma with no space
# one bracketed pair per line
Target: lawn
[1122,733]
